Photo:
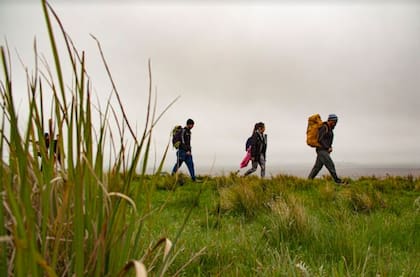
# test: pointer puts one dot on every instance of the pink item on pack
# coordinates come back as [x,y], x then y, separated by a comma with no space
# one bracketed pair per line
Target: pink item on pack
[246,159]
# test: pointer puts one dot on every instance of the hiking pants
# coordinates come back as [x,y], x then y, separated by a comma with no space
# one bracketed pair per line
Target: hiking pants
[324,158]
[255,163]
[181,156]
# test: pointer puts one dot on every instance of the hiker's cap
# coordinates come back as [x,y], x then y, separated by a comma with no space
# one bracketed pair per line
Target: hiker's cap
[190,122]
[332,117]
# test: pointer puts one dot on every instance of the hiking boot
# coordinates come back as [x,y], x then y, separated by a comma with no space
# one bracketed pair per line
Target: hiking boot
[341,182]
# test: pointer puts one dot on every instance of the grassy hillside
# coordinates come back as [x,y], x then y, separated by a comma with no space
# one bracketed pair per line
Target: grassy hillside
[291,226]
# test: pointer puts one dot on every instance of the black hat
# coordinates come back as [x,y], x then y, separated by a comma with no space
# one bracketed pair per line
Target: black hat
[190,122]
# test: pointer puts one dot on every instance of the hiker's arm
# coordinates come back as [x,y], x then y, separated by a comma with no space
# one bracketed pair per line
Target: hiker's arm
[254,147]
[183,136]
[186,142]
[321,133]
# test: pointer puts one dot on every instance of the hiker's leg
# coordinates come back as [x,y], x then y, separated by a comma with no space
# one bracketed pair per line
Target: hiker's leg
[329,164]
[190,165]
[179,160]
[262,165]
[252,169]
[317,166]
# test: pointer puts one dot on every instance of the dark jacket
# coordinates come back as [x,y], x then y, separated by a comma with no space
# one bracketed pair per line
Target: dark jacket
[185,140]
[258,145]
[325,137]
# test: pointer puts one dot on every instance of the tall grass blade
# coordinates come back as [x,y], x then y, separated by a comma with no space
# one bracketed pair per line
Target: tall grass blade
[54,49]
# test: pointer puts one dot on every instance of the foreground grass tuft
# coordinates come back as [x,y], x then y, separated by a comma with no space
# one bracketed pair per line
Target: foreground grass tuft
[63,212]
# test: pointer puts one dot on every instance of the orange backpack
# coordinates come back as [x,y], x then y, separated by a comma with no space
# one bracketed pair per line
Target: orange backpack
[314,123]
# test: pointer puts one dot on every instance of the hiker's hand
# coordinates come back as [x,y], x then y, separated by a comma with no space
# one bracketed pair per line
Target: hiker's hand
[330,150]
[189,153]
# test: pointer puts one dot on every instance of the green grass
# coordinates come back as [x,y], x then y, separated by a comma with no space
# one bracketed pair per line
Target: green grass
[295,226]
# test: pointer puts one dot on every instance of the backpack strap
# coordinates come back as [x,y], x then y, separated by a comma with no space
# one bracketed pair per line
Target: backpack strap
[182,136]
[326,131]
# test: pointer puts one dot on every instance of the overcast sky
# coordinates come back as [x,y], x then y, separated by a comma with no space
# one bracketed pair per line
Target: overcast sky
[239,63]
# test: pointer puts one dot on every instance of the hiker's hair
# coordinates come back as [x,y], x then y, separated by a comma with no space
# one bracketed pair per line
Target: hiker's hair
[259,125]
[256,126]
[190,121]
[255,129]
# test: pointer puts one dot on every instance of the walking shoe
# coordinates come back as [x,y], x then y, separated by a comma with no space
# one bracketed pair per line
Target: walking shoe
[341,182]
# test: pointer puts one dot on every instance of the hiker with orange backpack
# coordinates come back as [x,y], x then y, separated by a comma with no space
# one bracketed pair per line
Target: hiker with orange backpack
[323,147]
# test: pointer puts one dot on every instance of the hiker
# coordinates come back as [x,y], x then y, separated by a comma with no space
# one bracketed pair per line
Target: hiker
[184,151]
[47,146]
[57,152]
[258,149]
[325,139]
[47,143]
[51,146]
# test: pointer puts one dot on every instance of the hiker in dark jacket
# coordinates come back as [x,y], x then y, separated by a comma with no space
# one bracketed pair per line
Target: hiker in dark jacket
[258,149]
[325,139]
[184,152]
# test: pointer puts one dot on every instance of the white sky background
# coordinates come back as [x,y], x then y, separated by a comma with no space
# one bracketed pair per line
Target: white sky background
[239,63]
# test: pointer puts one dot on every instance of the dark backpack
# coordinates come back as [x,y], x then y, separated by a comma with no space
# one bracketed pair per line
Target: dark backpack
[177,136]
[248,143]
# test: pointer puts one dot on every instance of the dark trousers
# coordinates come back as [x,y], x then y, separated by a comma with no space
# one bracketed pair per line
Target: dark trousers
[255,163]
[181,156]
[324,158]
